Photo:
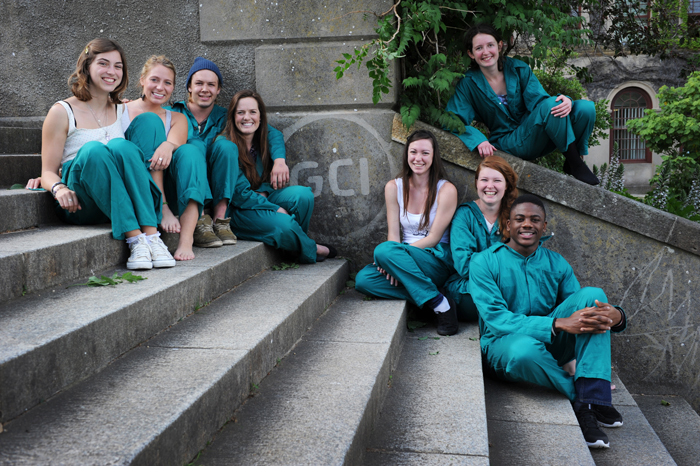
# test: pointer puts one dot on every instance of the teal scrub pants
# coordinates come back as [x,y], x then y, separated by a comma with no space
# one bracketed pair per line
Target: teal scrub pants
[466,309]
[282,231]
[222,170]
[112,185]
[541,132]
[185,179]
[518,357]
[420,272]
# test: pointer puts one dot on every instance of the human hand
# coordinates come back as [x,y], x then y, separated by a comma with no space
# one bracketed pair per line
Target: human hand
[486,149]
[282,211]
[33,183]
[279,176]
[595,319]
[564,108]
[162,157]
[393,281]
[68,200]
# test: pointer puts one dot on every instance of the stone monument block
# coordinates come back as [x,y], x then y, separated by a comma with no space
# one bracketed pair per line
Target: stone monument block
[301,76]
[288,19]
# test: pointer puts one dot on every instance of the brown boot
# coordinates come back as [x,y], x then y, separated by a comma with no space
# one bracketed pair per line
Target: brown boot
[222,229]
[204,236]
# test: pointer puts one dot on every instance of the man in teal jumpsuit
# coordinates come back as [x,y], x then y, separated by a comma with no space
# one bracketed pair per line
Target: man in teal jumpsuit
[468,235]
[206,121]
[534,317]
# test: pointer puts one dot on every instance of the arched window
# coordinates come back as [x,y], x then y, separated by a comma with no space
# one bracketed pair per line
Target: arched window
[629,104]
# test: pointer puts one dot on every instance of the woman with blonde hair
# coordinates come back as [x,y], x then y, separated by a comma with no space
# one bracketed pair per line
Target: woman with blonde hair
[179,169]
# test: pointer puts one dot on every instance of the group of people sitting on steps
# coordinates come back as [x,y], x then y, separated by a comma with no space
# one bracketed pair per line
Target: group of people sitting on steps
[144,164]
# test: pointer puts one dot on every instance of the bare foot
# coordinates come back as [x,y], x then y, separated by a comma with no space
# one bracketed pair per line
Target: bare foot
[170,223]
[184,253]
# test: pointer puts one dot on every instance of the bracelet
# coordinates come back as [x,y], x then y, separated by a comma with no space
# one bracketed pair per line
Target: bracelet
[54,190]
[165,203]
[554,331]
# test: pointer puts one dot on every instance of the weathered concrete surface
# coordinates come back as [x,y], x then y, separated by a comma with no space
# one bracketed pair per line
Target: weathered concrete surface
[530,425]
[55,338]
[635,442]
[160,403]
[676,424]
[19,140]
[291,76]
[18,168]
[288,19]
[37,259]
[436,402]
[320,402]
[608,72]
[20,209]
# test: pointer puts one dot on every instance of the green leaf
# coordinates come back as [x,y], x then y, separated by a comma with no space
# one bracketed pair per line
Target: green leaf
[414,324]
[17,186]
[665,403]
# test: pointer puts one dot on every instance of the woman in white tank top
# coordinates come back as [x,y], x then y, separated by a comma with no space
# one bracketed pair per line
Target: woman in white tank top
[415,260]
[95,175]
[179,169]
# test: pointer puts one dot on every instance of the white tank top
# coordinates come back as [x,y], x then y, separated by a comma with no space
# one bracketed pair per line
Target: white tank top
[78,137]
[410,222]
[126,120]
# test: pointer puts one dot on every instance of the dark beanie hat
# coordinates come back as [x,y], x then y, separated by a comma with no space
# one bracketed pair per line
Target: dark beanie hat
[201,63]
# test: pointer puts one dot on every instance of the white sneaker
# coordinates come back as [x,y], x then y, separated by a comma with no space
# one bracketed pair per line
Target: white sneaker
[160,256]
[140,258]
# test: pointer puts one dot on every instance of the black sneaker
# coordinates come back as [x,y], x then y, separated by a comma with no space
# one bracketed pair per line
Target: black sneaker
[607,416]
[595,438]
[447,323]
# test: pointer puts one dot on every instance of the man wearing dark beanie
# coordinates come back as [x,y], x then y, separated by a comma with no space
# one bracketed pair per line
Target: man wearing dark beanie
[206,121]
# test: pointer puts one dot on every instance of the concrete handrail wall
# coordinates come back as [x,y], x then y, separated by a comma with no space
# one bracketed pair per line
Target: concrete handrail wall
[646,260]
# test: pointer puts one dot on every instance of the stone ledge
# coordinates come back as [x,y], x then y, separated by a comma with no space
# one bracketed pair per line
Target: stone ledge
[288,20]
[288,77]
[569,192]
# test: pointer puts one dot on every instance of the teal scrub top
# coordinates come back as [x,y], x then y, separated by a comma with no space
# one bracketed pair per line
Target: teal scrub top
[215,125]
[469,235]
[475,99]
[514,294]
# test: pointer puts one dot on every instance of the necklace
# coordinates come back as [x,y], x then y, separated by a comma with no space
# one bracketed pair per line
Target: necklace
[99,122]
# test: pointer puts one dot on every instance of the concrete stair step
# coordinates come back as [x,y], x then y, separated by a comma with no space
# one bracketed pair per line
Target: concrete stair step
[37,259]
[21,209]
[676,423]
[20,135]
[18,167]
[318,405]
[59,336]
[531,425]
[435,411]
[635,442]
[163,400]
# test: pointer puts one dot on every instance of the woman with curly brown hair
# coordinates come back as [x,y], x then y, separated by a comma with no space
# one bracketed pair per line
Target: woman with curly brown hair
[478,224]
[96,175]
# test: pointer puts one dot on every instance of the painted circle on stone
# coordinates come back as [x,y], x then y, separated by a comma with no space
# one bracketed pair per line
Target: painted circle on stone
[344,162]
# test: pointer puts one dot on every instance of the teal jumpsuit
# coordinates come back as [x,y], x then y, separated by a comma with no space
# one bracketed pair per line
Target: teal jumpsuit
[518,298]
[221,170]
[185,179]
[254,217]
[468,235]
[419,271]
[524,127]
[112,184]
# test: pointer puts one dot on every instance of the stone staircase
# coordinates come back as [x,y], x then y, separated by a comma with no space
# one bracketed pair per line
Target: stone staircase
[223,360]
